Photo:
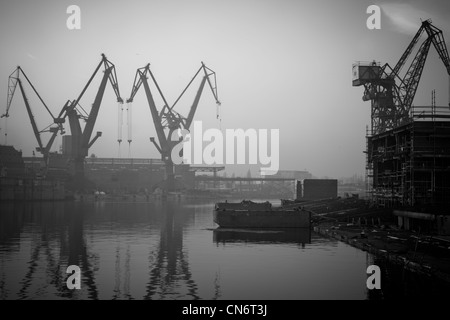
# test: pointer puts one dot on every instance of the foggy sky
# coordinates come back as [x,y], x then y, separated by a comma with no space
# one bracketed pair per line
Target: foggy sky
[282,64]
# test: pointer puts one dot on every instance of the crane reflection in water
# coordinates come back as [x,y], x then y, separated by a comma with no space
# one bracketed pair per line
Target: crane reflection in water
[169,263]
[56,240]
[168,251]
[60,234]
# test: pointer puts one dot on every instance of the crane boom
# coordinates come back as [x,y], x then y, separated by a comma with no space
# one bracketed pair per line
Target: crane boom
[441,48]
[391,102]
[89,81]
[410,82]
[12,85]
[155,116]
[14,81]
[213,88]
[412,77]
[81,138]
[407,52]
[193,109]
[439,44]
[141,78]
[94,111]
[37,134]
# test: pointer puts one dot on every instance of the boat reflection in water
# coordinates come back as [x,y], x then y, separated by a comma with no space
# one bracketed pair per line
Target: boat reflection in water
[300,236]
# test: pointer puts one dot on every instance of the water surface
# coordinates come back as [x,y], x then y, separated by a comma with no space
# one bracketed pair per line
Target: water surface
[166,250]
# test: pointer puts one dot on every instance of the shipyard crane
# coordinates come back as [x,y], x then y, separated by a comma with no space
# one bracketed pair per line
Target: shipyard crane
[167,120]
[55,127]
[81,139]
[390,94]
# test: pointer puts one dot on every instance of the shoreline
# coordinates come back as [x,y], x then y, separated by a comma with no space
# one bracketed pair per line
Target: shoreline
[392,245]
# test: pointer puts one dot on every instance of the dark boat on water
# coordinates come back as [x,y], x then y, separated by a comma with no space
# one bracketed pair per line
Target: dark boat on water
[249,214]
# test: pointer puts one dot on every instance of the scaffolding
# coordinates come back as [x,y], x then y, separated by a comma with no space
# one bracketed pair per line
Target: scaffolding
[409,165]
[369,168]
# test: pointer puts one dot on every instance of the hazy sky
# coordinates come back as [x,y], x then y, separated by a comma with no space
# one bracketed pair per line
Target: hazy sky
[283,64]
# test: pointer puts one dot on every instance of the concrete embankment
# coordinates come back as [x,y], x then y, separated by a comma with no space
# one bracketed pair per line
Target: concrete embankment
[425,254]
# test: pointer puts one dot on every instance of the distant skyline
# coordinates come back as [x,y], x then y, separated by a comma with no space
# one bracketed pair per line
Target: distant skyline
[282,64]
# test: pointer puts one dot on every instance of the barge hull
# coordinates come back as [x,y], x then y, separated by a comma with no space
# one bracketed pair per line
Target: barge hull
[262,219]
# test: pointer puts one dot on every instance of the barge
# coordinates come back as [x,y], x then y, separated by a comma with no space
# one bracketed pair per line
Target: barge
[248,214]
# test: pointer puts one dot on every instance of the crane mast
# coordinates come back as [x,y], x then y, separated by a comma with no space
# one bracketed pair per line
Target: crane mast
[82,140]
[167,119]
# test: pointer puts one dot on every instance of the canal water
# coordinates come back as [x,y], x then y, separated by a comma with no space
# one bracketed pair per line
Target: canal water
[169,250]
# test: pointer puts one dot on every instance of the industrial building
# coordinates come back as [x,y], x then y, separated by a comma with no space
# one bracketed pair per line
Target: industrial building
[11,162]
[24,183]
[410,165]
[314,189]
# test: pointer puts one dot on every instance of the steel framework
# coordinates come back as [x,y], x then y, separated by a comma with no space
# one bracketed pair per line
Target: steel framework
[390,94]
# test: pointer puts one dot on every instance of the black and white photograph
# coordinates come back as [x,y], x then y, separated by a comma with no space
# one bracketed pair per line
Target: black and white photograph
[225,155]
